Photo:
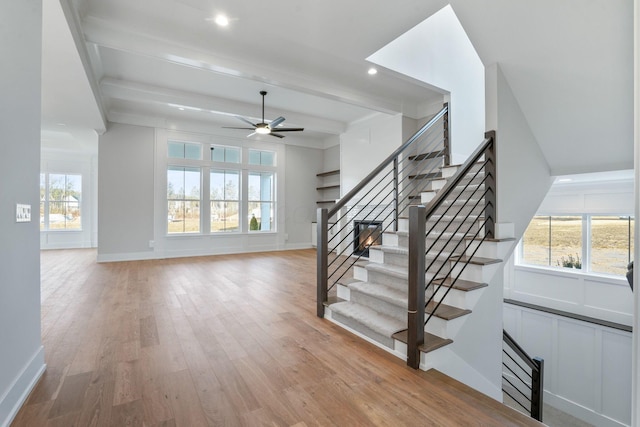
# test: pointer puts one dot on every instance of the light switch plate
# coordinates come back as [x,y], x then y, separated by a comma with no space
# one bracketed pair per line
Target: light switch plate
[23,213]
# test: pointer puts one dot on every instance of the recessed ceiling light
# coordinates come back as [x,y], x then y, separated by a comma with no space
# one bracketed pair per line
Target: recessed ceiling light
[221,20]
[372,71]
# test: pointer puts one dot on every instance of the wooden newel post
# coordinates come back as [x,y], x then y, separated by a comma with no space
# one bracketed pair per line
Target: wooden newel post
[322,260]
[415,315]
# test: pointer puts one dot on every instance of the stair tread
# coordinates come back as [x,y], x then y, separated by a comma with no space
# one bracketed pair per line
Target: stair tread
[431,342]
[445,311]
[461,284]
[424,156]
[430,175]
[393,270]
[374,320]
[477,260]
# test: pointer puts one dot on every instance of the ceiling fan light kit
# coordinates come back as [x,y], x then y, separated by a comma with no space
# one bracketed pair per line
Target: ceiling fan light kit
[264,128]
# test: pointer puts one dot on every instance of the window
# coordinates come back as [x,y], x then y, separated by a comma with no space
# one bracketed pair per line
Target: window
[263,158]
[261,201]
[211,188]
[553,241]
[185,150]
[591,243]
[221,153]
[60,201]
[183,197]
[225,200]
[611,244]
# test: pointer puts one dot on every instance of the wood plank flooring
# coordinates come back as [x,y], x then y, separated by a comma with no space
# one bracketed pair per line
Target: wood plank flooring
[221,341]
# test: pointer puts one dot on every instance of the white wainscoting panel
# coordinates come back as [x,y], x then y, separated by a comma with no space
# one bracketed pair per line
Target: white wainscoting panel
[587,365]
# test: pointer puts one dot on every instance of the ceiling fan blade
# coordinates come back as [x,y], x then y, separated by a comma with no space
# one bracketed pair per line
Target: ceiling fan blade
[288,130]
[276,122]
[228,127]
[276,135]
[245,120]
[251,134]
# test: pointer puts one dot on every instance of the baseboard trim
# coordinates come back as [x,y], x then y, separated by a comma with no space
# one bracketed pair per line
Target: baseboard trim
[139,256]
[19,391]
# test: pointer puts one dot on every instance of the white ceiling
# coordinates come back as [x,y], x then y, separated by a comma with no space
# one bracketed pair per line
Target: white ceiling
[568,62]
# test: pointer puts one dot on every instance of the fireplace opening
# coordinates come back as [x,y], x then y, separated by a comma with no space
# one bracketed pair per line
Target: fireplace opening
[366,234]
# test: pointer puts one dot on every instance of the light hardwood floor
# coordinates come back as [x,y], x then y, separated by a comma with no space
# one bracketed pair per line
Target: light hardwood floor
[221,341]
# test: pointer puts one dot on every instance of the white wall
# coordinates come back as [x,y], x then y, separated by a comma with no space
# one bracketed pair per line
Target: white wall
[600,296]
[523,173]
[74,157]
[21,352]
[132,197]
[365,145]
[439,53]
[587,366]
[125,192]
[301,168]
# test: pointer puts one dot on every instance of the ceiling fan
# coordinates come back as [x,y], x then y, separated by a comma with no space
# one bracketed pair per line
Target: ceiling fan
[264,128]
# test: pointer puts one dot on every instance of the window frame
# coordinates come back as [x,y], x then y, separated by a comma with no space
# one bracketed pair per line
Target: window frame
[586,247]
[45,202]
[207,165]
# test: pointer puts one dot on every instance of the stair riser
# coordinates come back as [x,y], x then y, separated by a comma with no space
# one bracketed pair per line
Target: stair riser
[458,298]
[438,184]
[489,249]
[402,260]
[390,239]
[462,209]
[379,305]
[444,328]
[476,273]
[468,226]
[361,328]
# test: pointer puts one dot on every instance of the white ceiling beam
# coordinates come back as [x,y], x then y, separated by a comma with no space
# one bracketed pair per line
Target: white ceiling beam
[108,35]
[144,93]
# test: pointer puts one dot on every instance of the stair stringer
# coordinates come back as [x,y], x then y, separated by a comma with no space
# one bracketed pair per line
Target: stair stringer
[475,356]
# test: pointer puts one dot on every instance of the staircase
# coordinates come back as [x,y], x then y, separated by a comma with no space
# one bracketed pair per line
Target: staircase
[373,302]
[419,294]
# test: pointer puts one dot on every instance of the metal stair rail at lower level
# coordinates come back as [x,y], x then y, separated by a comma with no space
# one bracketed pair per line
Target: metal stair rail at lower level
[523,377]
[380,199]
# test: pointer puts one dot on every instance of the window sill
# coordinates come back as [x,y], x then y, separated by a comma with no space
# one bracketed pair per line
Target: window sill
[567,272]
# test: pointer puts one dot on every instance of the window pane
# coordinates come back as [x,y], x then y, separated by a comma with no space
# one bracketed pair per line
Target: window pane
[192,183]
[232,155]
[224,216]
[176,149]
[260,216]
[261,186]
[566,241]
[264,158]
[57,184]
[175,183]
[254,157]
[216,185]
[192,151]
[535,242]
[217,153]
[183,217]
[232,186]
[267,158]
[611,238]
[220,153]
